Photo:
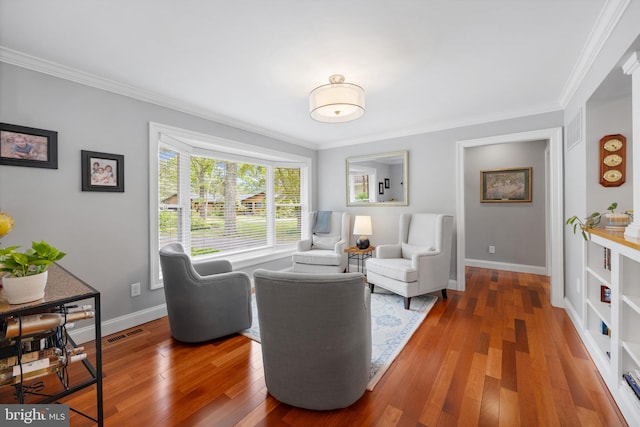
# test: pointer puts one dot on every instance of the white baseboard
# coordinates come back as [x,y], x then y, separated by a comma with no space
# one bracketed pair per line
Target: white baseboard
[519,268]
[574,316]
[88,333]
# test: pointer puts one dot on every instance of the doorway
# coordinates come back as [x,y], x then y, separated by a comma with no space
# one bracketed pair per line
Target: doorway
[555,222]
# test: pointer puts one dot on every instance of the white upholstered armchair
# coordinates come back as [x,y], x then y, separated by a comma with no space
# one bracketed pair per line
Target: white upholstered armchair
[420,262]
[323,251]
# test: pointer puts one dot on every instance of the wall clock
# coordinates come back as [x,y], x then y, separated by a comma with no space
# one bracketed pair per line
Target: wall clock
[613,152]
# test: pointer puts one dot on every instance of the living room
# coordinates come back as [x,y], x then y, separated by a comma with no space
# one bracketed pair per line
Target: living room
[106,235]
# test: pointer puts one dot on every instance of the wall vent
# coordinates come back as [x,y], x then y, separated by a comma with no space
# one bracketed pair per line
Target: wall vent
[123,336]
[574,131]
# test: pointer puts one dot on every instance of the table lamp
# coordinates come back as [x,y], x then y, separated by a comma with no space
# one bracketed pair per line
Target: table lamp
[362,228]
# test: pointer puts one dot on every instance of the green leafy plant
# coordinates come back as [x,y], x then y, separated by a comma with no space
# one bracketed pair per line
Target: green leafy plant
[592,220]
[32,261]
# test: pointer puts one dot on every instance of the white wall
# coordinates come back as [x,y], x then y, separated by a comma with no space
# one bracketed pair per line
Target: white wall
[106,235]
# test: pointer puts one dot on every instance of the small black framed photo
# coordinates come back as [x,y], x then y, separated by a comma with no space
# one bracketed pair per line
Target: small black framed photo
[25,146]
[102,172]
[386,183]
[381,188]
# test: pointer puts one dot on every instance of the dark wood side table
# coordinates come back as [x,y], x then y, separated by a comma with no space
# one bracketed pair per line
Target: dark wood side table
[360,255]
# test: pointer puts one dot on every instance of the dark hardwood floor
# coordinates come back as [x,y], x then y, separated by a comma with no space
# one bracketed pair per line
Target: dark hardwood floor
[495,355]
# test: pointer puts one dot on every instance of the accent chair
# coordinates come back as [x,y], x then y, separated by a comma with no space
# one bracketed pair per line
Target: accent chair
[420,262]
[323,252]
[316,337]
[205,300]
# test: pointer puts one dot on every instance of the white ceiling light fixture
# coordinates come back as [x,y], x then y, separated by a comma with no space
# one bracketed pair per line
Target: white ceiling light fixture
[337,102]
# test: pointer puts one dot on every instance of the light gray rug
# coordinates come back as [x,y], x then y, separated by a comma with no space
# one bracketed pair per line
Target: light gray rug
[391,328]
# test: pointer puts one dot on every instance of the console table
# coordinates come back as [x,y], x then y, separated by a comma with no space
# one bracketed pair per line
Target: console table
[63,289]
[360,255]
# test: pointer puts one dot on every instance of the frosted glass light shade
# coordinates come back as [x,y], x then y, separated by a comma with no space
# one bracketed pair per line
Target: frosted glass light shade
[336,102]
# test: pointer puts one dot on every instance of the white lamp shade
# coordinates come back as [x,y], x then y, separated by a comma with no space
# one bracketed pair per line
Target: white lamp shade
[336,102]
[362,225]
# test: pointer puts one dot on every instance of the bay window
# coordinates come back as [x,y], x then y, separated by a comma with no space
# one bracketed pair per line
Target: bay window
[220,198]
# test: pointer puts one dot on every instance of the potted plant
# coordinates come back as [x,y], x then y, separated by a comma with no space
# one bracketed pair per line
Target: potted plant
[613,220]
[27,270]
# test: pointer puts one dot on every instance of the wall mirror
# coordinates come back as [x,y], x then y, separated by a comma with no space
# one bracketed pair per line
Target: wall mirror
[378,179]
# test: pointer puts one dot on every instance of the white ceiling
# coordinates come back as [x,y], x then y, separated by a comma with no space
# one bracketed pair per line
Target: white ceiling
[425,65]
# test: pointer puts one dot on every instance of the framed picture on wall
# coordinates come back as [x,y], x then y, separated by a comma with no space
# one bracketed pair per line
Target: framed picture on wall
[25,146]
[381,188]
[386,183]
[511,185]
[102,171]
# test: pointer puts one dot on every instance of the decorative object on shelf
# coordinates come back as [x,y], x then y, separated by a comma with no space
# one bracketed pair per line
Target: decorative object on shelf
[613,220]
[511,185]
[27,270]
[336,102]
[605,294]
[617,221]
[25,146]
[102,172]
[362,227]
[42,322]
[613,152]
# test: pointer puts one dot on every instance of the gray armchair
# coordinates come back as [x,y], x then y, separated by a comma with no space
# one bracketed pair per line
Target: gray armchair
[205,300]
[316,337]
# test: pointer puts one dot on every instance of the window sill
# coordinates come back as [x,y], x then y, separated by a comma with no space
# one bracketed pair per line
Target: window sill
[254,257]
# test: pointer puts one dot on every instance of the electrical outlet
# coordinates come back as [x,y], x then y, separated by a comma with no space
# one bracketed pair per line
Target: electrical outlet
[135,289]
[492,249]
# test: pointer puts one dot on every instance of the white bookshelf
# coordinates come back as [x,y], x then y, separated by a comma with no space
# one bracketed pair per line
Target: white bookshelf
[617,352]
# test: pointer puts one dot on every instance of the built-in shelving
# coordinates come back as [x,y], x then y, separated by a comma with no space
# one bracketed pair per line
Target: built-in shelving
[613,262]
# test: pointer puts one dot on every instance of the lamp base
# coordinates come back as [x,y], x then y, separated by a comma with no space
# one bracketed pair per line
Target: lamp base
[362,242]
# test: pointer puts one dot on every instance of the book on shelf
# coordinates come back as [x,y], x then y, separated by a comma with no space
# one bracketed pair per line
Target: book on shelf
[604,329]
[629,378]
[607,259]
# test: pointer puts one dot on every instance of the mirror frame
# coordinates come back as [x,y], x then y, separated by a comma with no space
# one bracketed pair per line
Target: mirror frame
[372,157]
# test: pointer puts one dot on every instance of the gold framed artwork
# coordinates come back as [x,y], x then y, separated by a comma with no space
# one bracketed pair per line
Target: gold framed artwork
[512,185]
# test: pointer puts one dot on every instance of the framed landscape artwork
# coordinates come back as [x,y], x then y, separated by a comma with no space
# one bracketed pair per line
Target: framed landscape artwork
[506,185]
[102,172]
[25,146]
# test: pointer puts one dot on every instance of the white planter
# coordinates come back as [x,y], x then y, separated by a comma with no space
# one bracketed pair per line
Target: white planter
[19,290]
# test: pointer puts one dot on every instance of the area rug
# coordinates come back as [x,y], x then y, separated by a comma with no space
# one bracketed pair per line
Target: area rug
[391,328]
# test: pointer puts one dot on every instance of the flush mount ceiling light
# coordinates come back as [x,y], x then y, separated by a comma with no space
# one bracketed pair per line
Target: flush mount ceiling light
[337,102]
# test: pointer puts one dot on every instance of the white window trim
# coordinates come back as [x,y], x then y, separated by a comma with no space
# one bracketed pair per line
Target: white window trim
[195,142]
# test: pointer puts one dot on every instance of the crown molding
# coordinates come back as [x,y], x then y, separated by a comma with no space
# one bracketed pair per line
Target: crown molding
[607,21]
[44,66]
[631,64]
